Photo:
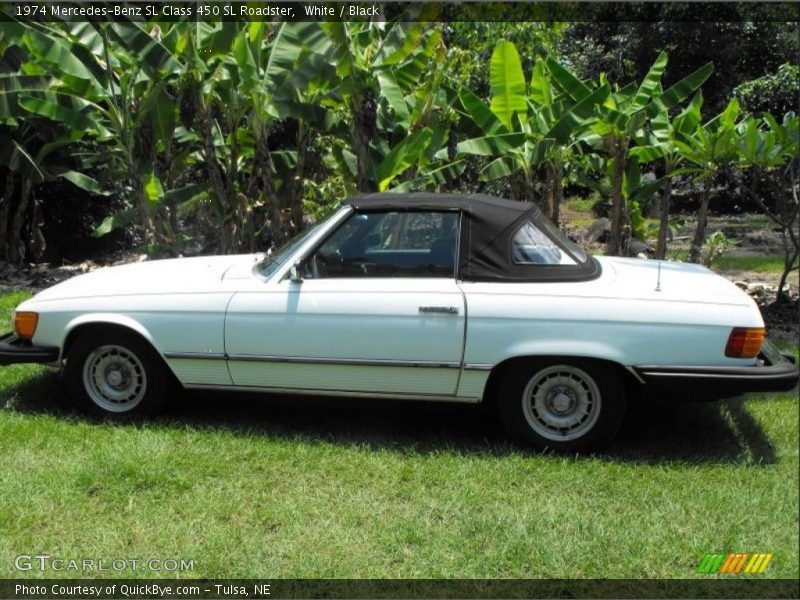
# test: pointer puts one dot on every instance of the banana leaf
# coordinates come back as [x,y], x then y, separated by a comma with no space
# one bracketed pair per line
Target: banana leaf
[480,113]
[507,84]
[394,96]
[573,118]
[491,145]
[80,180]
[115,221]
[402,156]
[650,84]
[686,86]
[569,83]
[500,167]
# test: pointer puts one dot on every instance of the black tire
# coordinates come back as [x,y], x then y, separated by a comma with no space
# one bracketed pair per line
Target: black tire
[101,357]
[565,405]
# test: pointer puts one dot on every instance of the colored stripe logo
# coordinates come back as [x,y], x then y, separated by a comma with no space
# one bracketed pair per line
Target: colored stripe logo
[735,563]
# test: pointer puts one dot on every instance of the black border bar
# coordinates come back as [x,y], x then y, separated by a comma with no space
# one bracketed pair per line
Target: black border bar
[433,12]
[746,586]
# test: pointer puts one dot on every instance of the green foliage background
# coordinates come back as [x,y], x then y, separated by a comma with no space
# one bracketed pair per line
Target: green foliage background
[233,135]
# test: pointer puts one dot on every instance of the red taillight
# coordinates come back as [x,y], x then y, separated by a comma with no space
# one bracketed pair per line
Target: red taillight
[25,324]
[744,342]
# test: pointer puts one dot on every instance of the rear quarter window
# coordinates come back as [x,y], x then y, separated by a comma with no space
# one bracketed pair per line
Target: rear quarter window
[531,246]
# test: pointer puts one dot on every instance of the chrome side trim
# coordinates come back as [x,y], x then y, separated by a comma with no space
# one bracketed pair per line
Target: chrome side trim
[466,315]
[738,377]
[478,367]
[314,361]
[635,373]
[195,355]
[344,361]
[338,393]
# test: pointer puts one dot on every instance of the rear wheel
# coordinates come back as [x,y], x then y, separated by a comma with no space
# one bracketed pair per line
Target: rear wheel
[562,405]
[116,373]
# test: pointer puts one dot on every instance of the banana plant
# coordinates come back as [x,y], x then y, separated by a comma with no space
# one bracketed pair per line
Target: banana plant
[526,126]
[33,149]
[34,152]
[239,81]
[707,151]
[378,67]
[304,81]
[619,119]
[596,172]
[658,145]
[112,82]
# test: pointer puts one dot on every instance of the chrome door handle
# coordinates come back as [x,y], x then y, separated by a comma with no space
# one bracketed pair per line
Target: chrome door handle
[448,310]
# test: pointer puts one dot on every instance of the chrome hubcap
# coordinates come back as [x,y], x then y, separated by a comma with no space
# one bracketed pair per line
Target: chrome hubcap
[561,403]
[561,400]
[114,378]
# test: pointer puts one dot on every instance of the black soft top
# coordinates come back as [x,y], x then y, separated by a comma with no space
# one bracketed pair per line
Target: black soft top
[488,224]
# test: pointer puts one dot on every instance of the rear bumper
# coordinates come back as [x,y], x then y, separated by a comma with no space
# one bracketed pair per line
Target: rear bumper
[14,351]
[774,372]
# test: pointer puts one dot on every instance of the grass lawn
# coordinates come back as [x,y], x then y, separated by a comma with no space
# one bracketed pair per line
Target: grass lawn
[252,487]
[580,205]
[750,262]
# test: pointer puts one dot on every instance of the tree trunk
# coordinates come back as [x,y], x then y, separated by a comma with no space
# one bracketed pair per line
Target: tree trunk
[517,182]
[702,221]
[260,185]
[558,192]
[364,124]
[619,154]
[296,187]
[276,218]
[790,260]
[785,217]
[789,208]
[237,209]
[216,178]
[15,247]
[5,211]
[363,182]
[143,205]
[36,243]
[663,216]
[530,192]
[550,191]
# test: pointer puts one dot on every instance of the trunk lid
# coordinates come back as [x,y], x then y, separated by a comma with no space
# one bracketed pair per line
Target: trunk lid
[670,281]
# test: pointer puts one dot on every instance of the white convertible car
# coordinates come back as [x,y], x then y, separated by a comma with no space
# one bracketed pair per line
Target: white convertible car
[418,297]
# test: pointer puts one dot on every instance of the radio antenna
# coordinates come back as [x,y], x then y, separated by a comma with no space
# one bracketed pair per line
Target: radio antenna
[658,279]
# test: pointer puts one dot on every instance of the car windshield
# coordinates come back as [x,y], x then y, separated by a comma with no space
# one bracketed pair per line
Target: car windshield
[273,261]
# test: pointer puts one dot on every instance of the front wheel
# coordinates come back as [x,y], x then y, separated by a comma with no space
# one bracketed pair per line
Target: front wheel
[565,406]
[115,373]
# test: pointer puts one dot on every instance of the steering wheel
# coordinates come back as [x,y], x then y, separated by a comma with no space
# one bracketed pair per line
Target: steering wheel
[321,264]
[365,265]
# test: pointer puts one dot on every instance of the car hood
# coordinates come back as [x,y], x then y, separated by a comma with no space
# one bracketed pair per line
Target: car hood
[178,275]
[670,281]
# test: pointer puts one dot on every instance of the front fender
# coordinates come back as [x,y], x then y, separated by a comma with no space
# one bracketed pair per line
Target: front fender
[109,319]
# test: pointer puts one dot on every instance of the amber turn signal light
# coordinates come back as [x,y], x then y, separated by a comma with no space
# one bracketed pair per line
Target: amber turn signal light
[25,324]
[744,342]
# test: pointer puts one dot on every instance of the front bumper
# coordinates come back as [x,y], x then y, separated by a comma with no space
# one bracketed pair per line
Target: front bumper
[14,351]
[774,372]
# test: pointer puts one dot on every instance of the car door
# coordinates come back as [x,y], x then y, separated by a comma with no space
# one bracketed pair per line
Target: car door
[376,310]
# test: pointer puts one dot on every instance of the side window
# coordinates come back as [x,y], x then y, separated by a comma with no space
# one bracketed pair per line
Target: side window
[531,246]
[391,244]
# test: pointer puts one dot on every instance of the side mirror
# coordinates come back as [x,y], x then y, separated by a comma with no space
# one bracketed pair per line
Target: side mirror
[294,274]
